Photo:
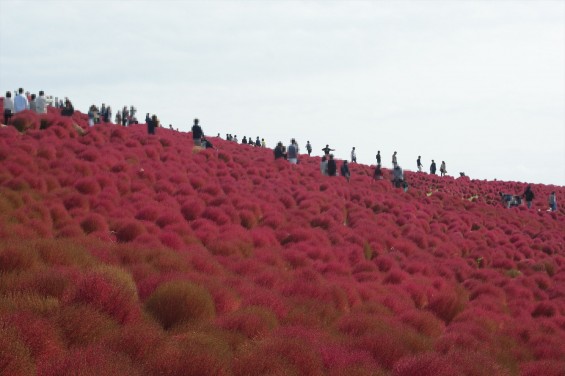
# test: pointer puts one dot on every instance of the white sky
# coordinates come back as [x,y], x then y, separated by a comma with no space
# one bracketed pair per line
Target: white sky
[479,84]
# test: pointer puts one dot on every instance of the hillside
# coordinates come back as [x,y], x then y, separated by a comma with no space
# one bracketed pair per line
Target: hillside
[124,253]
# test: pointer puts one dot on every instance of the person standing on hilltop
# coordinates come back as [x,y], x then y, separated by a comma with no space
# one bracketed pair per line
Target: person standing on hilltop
[8,107]
[41,103]
[151,124]
[332,166]
[324,166]
[197,133]
[528,196]
[279,151]
[419,164]
[378,158]
[443,169]
[327,150]
[308,148]
[394,160]
[433,167]
[353,155]
[32,103]
[20,101]
[292,153]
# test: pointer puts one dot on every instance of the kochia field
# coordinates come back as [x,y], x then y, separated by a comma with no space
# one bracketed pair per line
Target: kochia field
[123,253]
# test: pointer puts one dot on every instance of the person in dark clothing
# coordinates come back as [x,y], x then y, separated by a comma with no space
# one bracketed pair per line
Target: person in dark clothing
[279,151]
[258,142]
[327,150]
[433,168]
[68,110]
[332,166]
[345,171]
[244,140]
[378,175]
[151,124]
[529,196]
[308,148]
[206,143]
[197,133]
[397,176]
[378,158]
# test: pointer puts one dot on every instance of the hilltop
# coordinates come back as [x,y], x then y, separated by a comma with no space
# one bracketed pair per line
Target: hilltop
[124,253]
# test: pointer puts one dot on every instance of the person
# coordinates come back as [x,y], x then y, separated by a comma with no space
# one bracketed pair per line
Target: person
[433,168]
[41,103]
[397,176]
[33,103]
[528,196]
[258,142]
[507,199]
[68,110]
[279,151]
[394,160]
[378,158]
[263,143]
[552,202]
[419,164]
[102,113]
[20,102]
[244,140]
[404,186]
[118,117]
[235,138]
[324,166]
[125,116]
[151,124]
[308,148]
[292,154]
[147,118]
[378,175]
[327,150]
[91,116]
[197,133]
[8,107]
[353,156]
[108,116]
[442,169]
[344,170]
[332,166]
[206,143]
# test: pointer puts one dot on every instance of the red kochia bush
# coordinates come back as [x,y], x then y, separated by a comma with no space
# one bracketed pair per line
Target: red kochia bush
[129,230]
[178,302]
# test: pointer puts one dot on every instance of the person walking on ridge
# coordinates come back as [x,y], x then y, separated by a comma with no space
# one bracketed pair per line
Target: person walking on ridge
[197,133]
[20,102]
[308,148]
[332,166]
[394,160]
[378,158]
[433,168]
[327,150]
[8,107]
[419,164]
[442,169]
[353,156]
[292,152]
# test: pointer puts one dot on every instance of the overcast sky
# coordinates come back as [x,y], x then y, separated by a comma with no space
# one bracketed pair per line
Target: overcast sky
[479,84]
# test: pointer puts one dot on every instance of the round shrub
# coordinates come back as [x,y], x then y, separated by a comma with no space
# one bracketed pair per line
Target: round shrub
[177,302]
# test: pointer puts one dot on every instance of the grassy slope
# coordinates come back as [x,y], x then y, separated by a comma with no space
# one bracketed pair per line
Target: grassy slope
[128,254]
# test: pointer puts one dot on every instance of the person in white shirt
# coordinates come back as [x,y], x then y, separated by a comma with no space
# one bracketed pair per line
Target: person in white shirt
[20,102]
[41,103]
[353,156]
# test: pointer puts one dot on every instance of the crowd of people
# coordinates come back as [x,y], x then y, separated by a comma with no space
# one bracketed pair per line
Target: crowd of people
[328,165]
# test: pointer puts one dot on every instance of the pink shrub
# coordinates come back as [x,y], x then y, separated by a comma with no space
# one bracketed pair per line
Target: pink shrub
[127,231]
[93,223]
[178,302]
[426,364]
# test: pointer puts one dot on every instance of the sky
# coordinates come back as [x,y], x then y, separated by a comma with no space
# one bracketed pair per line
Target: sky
[477,84]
